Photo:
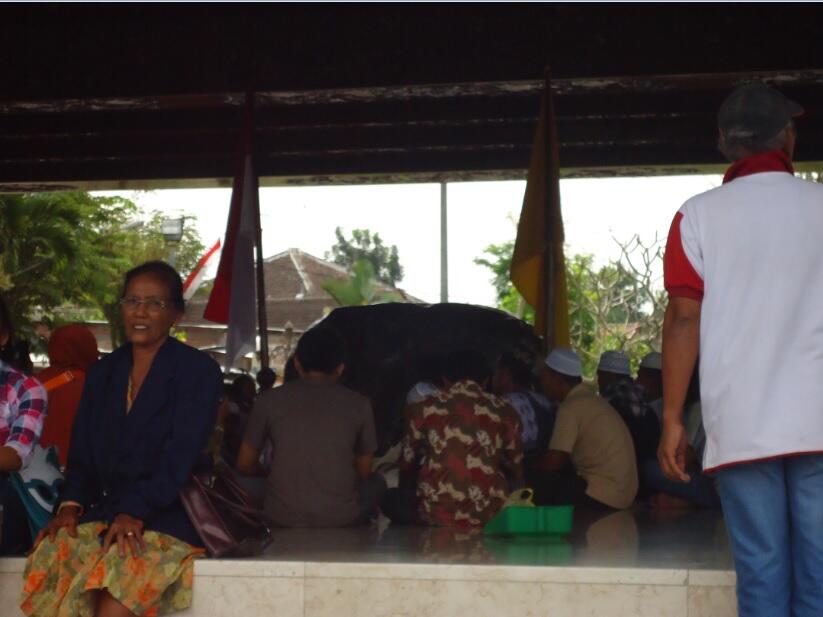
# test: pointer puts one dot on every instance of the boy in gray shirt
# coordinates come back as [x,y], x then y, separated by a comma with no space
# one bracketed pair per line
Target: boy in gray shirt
[323,439]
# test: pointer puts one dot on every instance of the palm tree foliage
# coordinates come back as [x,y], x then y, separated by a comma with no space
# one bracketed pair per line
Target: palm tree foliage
[71,249]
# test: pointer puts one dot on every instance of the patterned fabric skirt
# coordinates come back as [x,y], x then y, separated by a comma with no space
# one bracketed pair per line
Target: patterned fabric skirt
[62,576]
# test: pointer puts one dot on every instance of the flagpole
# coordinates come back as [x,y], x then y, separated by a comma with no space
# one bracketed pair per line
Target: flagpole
[444,242]
[548,228]
[262,318]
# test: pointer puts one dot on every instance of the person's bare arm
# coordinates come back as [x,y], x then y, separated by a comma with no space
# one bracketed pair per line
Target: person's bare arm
[9,459]
[516,478]
[363,465]
[247,459]
[681,345]
[554,460]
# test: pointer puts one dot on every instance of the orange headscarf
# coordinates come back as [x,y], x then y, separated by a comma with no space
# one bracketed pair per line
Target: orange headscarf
[71,348]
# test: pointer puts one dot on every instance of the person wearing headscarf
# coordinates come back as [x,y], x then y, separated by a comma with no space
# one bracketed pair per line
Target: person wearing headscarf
[72,350]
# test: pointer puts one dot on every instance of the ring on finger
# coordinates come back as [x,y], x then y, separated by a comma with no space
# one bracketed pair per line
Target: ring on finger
[129,533]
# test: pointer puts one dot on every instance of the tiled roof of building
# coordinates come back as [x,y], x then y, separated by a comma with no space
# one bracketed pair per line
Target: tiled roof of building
[294,291]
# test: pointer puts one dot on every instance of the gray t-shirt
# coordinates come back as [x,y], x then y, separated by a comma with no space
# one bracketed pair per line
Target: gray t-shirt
[316,431]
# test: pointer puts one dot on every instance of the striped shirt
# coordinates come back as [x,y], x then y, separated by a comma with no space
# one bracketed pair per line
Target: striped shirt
[22,411]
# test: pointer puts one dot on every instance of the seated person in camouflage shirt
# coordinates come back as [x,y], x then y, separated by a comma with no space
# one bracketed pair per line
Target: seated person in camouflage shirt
[461,452]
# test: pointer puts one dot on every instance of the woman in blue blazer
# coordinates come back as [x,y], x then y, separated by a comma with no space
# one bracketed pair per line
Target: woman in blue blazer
[121,543]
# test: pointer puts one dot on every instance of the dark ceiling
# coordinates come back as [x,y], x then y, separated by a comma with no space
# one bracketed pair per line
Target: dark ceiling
[101,95]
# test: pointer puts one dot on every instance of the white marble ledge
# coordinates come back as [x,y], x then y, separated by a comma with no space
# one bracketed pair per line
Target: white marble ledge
[251,568]
[245,568]
[423,598]
[712,602]
[221,596]
[712,578]
[513,574]
[248,568]
[12,565]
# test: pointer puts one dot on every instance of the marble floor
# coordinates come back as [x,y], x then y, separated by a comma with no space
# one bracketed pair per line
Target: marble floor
[641,563]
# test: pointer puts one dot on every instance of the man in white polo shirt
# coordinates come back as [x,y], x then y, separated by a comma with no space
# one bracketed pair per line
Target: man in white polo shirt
[744,272]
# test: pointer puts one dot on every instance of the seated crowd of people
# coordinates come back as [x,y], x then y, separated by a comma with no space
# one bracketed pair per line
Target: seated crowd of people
[145,415]
[472,434]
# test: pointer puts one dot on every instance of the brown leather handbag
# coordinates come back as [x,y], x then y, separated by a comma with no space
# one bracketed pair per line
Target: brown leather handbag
[226,518]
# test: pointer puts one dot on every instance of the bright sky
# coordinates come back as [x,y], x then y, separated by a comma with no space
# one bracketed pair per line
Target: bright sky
[408,215]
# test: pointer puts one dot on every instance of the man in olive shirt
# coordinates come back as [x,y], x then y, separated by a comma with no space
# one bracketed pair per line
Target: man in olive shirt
[590,461]
[323,439]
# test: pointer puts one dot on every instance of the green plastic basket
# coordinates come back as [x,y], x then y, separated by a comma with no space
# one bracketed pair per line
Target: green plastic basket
[531,521]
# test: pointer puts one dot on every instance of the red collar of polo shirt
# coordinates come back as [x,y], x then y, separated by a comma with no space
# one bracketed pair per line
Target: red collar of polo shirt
[773,160]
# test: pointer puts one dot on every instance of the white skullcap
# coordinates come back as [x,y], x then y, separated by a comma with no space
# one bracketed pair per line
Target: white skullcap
[565,362]
[614,362]
[653,360]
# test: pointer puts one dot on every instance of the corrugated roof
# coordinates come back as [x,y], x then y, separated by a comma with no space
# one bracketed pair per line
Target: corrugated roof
[120,96]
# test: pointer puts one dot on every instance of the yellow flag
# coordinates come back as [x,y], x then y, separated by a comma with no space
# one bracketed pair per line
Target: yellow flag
[538,268]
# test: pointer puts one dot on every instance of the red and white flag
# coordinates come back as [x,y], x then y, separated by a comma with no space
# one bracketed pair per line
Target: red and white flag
[200,271]
[233,300]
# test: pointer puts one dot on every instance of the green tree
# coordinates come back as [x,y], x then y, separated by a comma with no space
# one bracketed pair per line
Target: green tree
[360,288]
[52,252]
[367,245]
[136,244]
[811,176]
[616,306]
[499,260]
[69,251]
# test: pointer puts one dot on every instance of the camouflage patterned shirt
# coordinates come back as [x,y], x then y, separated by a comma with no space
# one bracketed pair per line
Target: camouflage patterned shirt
[464,441]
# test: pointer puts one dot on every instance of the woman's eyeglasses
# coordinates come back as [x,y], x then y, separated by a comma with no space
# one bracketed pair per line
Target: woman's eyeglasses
[153,305]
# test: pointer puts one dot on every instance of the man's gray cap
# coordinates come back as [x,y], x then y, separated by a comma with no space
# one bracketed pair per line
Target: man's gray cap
[564,361]
[614,362]
[755,112]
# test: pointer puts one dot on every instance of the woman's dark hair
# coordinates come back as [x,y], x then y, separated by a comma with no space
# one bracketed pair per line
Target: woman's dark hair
[15,352]
[164,273]
[6,325]
[6,328]
[321,349]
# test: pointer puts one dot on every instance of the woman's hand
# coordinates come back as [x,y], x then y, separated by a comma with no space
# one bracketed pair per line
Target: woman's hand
[125,530]
[67,517]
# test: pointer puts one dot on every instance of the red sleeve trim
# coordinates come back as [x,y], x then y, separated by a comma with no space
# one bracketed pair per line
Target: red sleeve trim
[685,292]
[679,276]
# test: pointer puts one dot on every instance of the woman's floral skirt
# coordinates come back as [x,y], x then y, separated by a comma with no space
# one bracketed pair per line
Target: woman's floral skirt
[62,576]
